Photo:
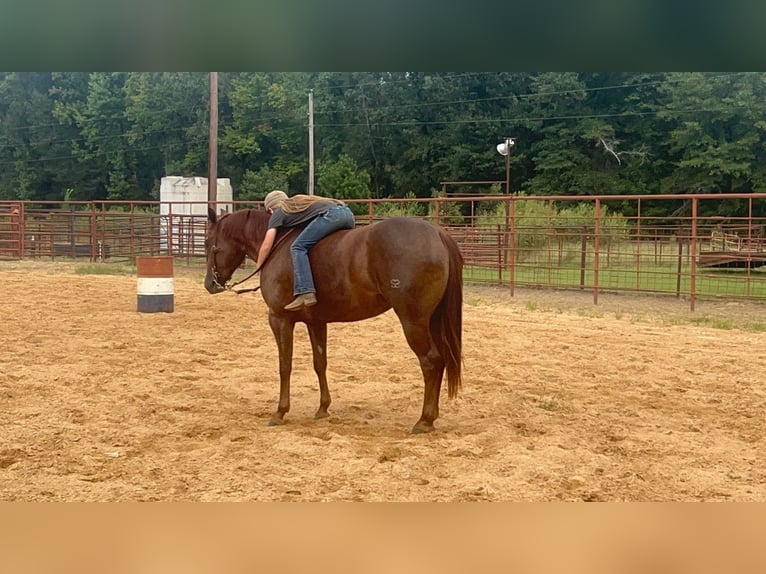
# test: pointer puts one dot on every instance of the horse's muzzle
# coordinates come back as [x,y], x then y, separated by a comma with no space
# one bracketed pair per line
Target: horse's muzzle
[213,286]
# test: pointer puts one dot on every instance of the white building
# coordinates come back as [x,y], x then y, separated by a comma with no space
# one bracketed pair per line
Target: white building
[183,212]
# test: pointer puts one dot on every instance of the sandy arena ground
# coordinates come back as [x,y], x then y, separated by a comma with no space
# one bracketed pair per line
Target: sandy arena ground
[635,399]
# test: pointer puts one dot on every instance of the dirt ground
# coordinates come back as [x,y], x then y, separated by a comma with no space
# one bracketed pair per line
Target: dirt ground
[634,399]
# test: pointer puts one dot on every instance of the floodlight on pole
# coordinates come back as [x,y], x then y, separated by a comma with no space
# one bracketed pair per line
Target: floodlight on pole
[509,256]
[504,149]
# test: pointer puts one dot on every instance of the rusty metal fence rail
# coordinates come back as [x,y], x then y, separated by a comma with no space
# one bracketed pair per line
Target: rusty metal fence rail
[594,244]
[11,229]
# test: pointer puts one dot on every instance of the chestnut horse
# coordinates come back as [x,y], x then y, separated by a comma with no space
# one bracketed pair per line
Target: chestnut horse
[401,263]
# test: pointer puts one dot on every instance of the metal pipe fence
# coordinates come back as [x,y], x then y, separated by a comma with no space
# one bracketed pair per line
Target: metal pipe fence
[595,244]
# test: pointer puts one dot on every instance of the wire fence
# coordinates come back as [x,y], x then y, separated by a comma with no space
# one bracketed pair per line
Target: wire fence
[594,244]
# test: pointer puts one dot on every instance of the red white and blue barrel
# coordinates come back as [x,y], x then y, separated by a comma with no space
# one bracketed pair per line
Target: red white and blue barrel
[155,284]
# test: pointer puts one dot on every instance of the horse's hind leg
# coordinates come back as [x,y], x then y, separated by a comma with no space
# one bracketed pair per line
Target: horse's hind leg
[318,338]
[432,364]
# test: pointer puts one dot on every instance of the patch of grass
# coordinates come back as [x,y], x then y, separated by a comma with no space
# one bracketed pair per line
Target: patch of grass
[618,314]
[757,326]
[593,314]
[722,324]
[104,269]
[531,306]
[703,321]
[654,277]
[548,403]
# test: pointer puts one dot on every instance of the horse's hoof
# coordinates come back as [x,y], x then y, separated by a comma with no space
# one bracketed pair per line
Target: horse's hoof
[321,415]
[276,421]
[422,427]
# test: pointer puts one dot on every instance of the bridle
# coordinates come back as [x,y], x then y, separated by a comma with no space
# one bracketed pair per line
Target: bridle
[226,286]
[214,271]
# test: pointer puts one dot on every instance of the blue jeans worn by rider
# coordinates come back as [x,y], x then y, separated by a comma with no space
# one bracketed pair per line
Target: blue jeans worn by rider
[335,218]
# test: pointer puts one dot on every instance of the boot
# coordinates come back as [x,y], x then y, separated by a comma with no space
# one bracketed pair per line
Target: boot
[302,300]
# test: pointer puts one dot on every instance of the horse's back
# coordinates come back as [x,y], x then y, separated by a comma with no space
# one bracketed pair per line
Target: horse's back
[362,272]
[408,245]
[404,232]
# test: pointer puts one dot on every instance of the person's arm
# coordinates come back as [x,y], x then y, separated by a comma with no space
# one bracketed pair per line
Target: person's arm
[268,243]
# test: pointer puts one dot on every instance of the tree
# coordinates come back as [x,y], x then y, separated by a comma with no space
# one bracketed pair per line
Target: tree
[35,154]
[104,125]
[168,115]
[715,135]
[267,126]
[256,184]
[716,127]
[342,179]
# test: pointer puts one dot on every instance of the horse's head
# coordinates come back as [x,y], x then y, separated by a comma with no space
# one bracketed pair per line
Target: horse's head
[223,253]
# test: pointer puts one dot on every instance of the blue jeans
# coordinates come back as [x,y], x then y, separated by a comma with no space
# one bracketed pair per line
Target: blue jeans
[335,218]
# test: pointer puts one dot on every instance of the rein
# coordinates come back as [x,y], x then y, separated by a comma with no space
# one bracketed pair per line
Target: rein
[252,289]
[230,287]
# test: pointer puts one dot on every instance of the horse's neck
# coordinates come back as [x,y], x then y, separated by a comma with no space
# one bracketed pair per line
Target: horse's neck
[254,230]
[251,232]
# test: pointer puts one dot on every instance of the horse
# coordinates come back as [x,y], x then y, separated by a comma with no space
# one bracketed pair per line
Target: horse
[401,263]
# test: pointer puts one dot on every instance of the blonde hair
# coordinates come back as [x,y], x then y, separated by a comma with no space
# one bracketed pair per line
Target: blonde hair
[274,198]
[299,203]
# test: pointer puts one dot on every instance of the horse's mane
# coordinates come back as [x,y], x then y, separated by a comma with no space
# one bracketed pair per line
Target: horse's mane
[243,225]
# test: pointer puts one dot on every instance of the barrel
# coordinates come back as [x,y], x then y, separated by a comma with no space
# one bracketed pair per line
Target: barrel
[155,284]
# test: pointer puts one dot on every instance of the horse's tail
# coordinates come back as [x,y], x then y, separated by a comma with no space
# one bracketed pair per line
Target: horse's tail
[447,321]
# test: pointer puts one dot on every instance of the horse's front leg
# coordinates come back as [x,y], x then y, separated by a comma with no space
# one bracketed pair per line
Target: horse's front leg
[318,337]
[283,333]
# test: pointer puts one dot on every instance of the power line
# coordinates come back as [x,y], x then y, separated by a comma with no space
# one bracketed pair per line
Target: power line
[526,96]
[522,119]
[386,82]
[298,114]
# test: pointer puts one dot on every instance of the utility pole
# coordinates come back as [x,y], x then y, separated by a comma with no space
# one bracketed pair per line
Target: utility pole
[311,142]
[212,164]
[508,143]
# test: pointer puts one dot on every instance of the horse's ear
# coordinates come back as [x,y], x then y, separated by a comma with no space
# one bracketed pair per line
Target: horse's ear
[212,217]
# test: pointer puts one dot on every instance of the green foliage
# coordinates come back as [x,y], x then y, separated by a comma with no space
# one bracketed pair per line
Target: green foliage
[255,185]
[536,221]
[104,269]
[400,208]
[490,209]
[716,135]
[449,212]
[342,179]
[114,135]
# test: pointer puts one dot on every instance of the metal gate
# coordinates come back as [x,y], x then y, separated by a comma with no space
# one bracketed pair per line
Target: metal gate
[11,230]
